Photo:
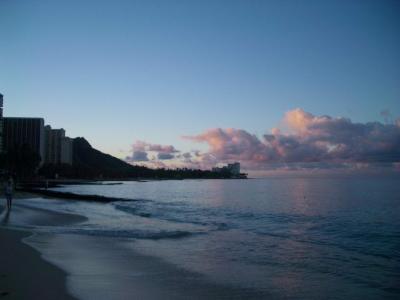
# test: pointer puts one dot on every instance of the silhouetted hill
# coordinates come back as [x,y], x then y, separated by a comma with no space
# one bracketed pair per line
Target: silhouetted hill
[93,164]
[89,162]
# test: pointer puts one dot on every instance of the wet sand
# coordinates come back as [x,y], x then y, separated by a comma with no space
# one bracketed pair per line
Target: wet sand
[23,272]
[105,268]
[37,264]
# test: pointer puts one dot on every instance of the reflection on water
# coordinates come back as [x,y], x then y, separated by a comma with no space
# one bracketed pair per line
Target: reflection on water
[292,237]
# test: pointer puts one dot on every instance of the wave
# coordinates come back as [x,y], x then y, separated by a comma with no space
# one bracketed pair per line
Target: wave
[183,216]
[62,194]
[137,234]
[132,210]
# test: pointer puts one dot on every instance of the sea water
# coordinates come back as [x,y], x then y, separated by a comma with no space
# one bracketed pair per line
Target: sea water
[284,237]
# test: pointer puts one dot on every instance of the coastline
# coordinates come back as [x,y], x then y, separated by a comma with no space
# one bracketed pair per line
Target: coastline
[69,195]
[24,274]
[110,268]
[37,264]
[253,252]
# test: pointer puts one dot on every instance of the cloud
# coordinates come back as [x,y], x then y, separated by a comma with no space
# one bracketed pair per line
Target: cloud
[308,139]
[187,155]
[143,146]
[165,156]
[138,156]
[151,155]
[226,144]
[303,142]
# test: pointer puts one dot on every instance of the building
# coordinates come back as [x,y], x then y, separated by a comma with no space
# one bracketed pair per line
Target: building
[58,147]
[66,150]
[1,105]
[233,169]
[20,131]
[1,123]
[53,144]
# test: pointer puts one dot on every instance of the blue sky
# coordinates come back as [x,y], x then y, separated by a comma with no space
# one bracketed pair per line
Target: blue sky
[120,71]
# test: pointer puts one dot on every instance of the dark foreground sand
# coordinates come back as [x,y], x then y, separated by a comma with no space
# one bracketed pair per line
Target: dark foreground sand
[23,274]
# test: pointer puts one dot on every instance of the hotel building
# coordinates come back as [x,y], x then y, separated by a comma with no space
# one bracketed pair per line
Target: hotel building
[20,131]
[58,146]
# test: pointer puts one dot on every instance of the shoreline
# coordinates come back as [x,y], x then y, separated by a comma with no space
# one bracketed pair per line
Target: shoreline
[47,265]
[69,195]
[110,268]
[51,183]
[245,254]
[24,273]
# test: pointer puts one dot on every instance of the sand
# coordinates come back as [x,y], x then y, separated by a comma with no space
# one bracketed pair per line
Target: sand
[41,264]
[23,272]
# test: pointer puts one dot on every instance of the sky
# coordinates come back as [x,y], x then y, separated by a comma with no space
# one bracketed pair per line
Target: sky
[211,79]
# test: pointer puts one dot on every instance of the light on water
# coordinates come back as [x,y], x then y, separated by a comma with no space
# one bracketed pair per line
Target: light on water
[282,237]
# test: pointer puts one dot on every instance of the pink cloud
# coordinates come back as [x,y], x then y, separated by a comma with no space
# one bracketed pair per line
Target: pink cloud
[143,146]
[309,139]
[304,142]
[141,149]
[226,144]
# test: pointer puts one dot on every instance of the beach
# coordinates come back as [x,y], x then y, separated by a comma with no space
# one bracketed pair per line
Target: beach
[24,274]
[37,264]
[277,238]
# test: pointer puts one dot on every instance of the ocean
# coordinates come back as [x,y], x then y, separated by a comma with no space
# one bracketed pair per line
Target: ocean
[273,238]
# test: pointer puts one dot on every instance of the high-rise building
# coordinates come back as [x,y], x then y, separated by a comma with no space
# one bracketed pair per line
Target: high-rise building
[1,123]
[58,147]
[66,150]
[53,144]
[24,131]
[234,168]
[1,105]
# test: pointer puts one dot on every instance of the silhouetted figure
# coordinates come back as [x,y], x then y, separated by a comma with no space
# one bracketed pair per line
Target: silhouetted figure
[8,191]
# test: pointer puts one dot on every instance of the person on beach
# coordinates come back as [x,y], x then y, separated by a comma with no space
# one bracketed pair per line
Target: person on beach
[8,191]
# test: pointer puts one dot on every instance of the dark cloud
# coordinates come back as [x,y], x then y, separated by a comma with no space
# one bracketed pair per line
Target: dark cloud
[138,156]
[151,154]
[165,156]
[187,155]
